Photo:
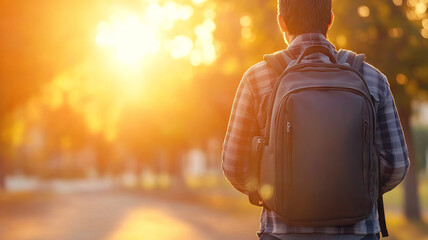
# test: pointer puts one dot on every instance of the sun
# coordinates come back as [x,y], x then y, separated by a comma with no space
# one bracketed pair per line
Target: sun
[128,37]
[134,36]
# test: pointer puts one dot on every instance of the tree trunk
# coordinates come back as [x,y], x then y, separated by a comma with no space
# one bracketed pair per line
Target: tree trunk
[2,174]
[412,208]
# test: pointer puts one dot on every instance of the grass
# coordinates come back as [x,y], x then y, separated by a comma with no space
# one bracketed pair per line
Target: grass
[399,227]
[402,229]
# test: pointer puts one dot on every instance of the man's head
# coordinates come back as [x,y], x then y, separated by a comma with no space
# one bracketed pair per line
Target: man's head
[297,17]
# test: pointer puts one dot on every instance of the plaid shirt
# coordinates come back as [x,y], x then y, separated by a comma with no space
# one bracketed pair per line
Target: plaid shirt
[248,120]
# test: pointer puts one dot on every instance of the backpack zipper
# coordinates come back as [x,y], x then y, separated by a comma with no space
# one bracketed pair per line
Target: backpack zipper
[325,88]
[288,161]
[261,142]
[365,138]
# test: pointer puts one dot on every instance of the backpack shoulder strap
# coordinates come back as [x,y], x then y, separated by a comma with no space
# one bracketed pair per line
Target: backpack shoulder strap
[279,60]
[354,60]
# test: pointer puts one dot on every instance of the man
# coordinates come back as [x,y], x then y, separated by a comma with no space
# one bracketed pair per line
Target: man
[305,23]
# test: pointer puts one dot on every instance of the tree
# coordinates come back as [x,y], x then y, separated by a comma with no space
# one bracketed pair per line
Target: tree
[39,39]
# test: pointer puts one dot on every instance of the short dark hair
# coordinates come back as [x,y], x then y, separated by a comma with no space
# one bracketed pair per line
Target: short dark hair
[306,16]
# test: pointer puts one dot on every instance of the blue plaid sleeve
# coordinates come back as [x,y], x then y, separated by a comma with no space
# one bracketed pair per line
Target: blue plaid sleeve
[390,140]
[241,130]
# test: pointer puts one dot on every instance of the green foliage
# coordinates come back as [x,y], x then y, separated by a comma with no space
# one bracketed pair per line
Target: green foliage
[391,42]
[420,144]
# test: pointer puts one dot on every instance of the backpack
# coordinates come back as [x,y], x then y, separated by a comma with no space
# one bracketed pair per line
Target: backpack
[317,165]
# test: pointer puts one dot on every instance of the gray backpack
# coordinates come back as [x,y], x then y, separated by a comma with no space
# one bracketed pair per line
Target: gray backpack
[317,164]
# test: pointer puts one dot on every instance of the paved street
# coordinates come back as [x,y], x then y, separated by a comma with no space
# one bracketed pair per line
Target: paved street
[118,216]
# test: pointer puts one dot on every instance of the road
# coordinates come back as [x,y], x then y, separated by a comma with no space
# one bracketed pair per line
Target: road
[118,216]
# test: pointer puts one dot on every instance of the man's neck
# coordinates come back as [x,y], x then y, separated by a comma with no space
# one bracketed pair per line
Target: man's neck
[290,38]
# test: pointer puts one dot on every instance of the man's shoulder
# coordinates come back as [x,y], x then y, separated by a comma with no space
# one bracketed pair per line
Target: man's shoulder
[260,78]
[257,69]
[371,71]
[376,81]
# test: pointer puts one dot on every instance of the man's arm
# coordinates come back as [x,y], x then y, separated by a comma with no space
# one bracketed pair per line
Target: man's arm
[241,130]
[390,141]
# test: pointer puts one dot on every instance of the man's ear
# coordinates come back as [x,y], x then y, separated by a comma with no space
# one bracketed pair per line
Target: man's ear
[281,23]
[331,20]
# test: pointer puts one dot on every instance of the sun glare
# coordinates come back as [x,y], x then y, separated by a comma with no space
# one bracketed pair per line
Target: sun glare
[128,37]
[131,37]
[181,47]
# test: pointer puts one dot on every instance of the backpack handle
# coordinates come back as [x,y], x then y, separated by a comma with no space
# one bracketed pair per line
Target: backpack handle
[314,49]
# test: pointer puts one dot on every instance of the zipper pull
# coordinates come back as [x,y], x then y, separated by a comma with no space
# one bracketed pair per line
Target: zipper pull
[366,135]
[288,127]
[261,143]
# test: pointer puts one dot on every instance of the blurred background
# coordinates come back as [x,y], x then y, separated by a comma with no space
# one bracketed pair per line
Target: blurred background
[113,113]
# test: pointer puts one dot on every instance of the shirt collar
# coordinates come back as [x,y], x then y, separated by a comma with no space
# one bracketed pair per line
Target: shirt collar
[303,41]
